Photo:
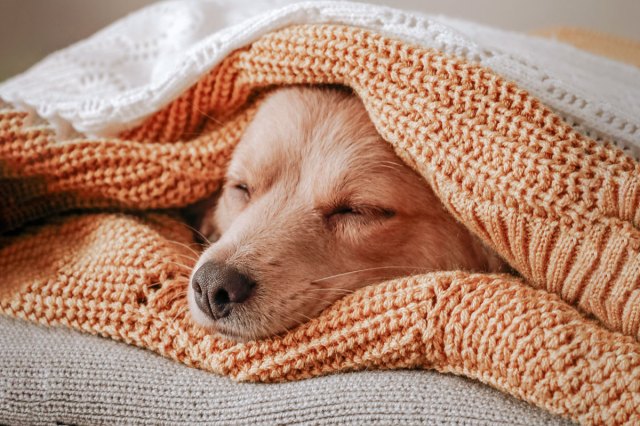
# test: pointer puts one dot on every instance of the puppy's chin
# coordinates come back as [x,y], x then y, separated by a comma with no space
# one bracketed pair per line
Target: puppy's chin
[231,334]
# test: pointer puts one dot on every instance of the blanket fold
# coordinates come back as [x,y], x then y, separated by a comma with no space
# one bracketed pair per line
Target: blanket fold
[559,207]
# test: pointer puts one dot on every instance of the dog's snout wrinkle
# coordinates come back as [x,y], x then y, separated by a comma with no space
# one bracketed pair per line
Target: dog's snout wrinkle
[218,287]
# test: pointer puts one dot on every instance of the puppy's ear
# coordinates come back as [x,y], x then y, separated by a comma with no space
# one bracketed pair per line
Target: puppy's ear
[199,216]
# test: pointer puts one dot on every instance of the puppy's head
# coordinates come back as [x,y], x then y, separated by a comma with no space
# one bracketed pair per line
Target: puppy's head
[316,205]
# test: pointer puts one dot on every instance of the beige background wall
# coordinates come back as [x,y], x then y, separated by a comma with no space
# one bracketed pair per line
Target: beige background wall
[29,29]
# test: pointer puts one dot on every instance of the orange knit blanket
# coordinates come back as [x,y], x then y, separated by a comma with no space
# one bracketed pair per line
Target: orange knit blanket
[560,208]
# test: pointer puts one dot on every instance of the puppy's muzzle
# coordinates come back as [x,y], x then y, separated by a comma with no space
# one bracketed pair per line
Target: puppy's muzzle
[218,288]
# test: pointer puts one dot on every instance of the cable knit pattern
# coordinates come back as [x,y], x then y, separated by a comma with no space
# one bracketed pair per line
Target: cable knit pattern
[560,208]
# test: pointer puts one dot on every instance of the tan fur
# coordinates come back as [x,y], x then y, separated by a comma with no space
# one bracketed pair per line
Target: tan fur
[308,152]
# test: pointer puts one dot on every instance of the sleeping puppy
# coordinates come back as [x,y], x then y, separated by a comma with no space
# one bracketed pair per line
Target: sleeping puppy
[315,205]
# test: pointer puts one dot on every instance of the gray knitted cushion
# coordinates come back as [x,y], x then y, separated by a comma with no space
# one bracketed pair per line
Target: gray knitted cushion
[59,375]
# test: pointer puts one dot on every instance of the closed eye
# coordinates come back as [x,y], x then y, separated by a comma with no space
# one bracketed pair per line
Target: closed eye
[360,212]
[242,187]
[343,210]
[239,191]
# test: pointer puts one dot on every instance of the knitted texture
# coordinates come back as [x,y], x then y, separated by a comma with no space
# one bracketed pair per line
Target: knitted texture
[121,74]
[560,208]
[53,375]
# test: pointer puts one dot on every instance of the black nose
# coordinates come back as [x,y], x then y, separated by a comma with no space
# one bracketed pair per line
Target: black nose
[217,287]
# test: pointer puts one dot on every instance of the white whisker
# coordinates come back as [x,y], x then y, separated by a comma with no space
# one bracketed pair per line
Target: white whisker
[187,246]
[379,268]
[197,232]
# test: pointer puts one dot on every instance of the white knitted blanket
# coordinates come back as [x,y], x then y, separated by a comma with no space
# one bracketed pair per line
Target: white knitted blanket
[135,66]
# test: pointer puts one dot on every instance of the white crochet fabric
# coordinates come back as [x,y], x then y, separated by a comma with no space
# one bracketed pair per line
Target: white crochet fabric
[132,68]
